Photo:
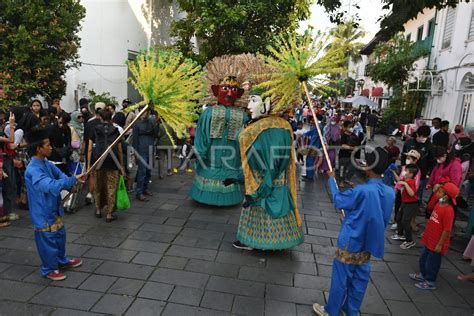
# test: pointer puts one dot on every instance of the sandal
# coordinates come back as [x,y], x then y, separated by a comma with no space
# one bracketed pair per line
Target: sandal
[5,224]
[111,219]
[464,278]
[13,216]
[425,285]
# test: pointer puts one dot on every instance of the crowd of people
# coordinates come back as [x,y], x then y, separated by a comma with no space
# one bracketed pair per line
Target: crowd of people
[433,160]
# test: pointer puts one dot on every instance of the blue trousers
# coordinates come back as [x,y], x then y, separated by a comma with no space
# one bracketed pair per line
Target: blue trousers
[430,263]
[310,166]
[52,250]
[348,285]
[143,175]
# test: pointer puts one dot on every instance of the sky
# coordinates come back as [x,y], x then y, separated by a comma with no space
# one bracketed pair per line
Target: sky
[369,12]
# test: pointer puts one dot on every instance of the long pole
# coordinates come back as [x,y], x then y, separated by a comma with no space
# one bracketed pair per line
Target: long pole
[114,143]
[323,143]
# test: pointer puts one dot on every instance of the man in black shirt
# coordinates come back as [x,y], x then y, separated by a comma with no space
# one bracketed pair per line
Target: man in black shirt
[441,138]
[372,120]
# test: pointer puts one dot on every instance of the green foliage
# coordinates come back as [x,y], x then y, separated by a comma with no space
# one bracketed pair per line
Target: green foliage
[394,61]
[234,27]
[392,23]
[345,38]
[170,84]
[404,109]
[105,97]
[39,43]
[299,59]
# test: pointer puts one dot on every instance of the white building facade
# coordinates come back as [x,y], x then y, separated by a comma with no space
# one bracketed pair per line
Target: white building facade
[452,62]
[113,32]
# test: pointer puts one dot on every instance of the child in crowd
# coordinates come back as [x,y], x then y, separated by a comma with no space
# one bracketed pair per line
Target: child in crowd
[185,155]
[412,157]
[409,207]
[436,237]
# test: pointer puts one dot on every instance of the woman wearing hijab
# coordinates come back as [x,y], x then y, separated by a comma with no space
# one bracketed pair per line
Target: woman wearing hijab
[77,134]
[454,137]
[332,134]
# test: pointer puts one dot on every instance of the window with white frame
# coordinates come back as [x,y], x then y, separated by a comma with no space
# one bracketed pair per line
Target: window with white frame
[449,27]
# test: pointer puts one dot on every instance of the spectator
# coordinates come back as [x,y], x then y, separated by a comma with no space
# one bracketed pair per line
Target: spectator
[84,106]
[468,255]
[185,155]
[349,143]
[332,134]
[108,172]
[412,157]
[130,115]
[111,107]
[314,150]
[57,105]
[77,135]
[372,121]
[436,237]
[119,123]
[9,186]
[165,149]
[441,138]
[421,144]
[53,116]
[454,137]
[392,149]
[31,118]
[88,131]
[363,119]
[44,119]
[435,126]
[144,134]
[409,207]
[448,168]
[60,138]
[44,183]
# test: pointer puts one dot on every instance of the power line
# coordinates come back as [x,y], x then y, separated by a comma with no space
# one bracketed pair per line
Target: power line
[102,65]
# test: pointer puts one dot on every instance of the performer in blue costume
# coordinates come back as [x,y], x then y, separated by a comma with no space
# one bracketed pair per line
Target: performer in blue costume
[217,147]
[367,208]
[44,183]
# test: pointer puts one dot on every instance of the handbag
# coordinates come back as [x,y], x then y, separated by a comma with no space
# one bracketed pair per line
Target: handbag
[121,198]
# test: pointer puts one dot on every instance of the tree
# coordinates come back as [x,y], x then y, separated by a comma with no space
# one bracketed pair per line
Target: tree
[234,27]
[390,24]
[39,43]
[395,60]
[345,37]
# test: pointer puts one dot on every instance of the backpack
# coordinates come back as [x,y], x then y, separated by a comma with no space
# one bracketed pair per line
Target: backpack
[104,136]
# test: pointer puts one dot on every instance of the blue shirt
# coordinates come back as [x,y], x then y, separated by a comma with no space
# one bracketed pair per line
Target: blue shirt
[44,183]
[368,207]
[314,140]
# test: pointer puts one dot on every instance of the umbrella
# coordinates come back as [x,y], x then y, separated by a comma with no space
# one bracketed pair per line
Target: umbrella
[361,100]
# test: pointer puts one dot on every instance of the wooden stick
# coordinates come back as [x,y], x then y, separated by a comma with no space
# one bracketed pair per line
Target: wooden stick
[114,143]
[323,143]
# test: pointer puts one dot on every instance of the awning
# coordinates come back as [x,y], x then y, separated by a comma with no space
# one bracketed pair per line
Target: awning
[365,93]
[377,91]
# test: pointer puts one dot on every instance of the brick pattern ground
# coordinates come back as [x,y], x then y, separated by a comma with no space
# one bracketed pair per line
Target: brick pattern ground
[172,256]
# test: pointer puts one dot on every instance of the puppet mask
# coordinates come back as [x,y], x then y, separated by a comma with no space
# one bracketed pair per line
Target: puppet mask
[257,106]
[228,91]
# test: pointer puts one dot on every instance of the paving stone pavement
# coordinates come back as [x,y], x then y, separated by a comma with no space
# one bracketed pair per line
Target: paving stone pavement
[172,256]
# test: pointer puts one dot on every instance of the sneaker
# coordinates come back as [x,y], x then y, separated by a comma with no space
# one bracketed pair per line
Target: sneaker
[394,226]
[407,244]
[56,275]
[398,237]
[73,263]
[319,310]
[239,245]
[89,198]
[189,170]
[416,277]
[426,285]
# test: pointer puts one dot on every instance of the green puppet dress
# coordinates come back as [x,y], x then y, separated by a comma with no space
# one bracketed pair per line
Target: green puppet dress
[218,156]
[272,221]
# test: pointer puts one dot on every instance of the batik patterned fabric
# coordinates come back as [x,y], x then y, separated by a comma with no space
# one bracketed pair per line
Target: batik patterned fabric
[235,124]
[217,122]
[259,230]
